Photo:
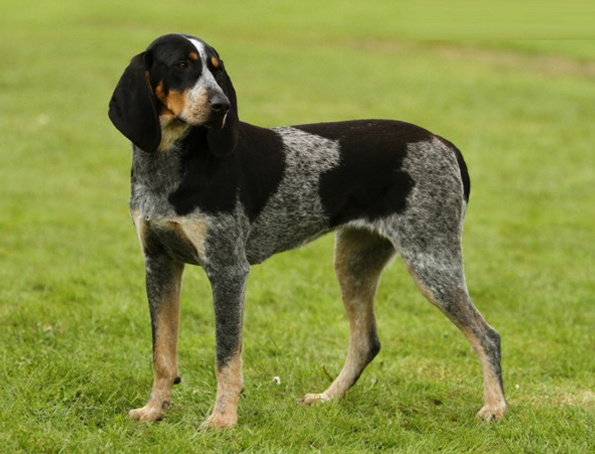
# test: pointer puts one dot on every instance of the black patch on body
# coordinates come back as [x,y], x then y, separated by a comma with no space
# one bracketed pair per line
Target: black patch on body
[212,183]
[369,182]
[207,182]
[262,165]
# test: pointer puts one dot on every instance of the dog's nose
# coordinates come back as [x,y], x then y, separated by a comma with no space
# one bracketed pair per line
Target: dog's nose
[219,104]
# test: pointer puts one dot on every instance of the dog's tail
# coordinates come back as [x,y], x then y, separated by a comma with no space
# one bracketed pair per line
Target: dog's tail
[462,168]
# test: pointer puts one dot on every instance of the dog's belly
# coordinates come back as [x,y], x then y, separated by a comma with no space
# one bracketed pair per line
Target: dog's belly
[288,231]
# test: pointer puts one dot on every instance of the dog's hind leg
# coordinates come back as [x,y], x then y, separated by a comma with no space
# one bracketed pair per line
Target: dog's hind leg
[360,257]
[436,265]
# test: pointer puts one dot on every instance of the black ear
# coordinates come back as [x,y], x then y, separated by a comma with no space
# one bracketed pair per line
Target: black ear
[222,142]
[132,107]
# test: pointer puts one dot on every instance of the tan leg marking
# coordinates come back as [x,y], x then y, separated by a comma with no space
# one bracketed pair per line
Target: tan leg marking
[165,369]
[229,386]
[494,401]
[360,257]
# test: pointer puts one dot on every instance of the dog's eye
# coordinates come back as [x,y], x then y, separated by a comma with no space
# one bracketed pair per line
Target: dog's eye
[182,65]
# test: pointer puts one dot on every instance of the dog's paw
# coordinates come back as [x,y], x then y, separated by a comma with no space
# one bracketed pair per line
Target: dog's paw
[219,421]
[310,399]
[491,413]
[149,412]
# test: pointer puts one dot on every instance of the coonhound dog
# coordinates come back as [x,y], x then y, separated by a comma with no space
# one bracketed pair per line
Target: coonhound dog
[210,190]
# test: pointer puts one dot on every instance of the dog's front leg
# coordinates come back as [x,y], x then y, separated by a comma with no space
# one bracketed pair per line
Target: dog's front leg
[228,284]
[164,278]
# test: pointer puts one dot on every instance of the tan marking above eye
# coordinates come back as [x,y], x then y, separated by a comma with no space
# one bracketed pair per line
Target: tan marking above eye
[215,62]
[193,56]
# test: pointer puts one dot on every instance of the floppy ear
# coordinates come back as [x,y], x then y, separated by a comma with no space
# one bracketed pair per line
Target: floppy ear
[132,107]
[222,142]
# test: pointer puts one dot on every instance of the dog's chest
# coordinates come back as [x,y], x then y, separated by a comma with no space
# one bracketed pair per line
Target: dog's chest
[159,228]
[181,238]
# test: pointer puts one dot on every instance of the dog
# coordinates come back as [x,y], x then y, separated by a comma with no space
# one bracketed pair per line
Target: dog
[210,190]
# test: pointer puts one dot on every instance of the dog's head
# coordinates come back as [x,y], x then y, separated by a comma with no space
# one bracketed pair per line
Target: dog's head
[179,82]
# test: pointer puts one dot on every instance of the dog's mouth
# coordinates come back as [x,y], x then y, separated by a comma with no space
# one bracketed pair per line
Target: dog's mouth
[216,121]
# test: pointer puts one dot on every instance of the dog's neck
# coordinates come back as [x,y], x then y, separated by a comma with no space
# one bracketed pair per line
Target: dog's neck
[172,130]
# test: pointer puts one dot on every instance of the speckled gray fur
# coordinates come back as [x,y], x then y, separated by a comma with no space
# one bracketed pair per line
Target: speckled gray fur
[187,201]
[427,235]
[297,202]
[153,178]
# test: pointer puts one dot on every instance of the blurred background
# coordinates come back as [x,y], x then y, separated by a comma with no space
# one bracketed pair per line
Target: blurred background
[512,86]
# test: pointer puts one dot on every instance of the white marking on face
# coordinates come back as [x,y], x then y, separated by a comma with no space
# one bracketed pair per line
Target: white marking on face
[207,78]
[197,108]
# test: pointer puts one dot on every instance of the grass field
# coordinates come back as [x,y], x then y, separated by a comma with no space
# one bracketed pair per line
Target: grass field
[74,325]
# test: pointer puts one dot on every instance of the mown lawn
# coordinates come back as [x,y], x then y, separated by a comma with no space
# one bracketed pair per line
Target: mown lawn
[74,325]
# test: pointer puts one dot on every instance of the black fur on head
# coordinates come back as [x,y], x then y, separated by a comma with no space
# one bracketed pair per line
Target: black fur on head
[223,141]
[133,109]
[178,78]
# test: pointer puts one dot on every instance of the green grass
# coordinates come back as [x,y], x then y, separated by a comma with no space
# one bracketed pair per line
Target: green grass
[75,335]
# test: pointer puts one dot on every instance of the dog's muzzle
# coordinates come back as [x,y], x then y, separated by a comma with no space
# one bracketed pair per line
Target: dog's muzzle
[219,105]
